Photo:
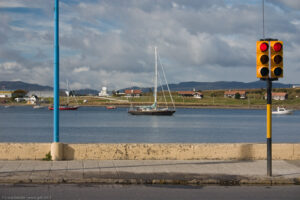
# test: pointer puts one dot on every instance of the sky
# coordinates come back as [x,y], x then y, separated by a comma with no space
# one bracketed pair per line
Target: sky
[111,42]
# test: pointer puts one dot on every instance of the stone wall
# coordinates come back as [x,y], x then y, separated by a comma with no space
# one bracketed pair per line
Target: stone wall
[170,151]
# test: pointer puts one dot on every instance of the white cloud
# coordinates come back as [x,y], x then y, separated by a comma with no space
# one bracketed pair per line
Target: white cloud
[11,4]
[81,69]
[111,42]
[10,66]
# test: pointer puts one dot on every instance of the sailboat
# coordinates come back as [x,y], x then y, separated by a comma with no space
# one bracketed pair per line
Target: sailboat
[66,106]
[154,109]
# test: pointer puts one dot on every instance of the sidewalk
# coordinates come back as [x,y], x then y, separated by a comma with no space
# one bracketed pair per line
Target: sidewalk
[150,172]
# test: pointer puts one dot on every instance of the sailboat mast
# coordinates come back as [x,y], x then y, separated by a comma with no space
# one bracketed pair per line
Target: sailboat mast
[155,78]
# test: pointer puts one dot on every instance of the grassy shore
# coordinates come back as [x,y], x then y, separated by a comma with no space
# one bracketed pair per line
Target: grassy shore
[212,99]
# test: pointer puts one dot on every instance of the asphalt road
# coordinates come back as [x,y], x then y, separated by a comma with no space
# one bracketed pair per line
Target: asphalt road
[132,192]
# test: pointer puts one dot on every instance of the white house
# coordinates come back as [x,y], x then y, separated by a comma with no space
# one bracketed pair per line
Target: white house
[278,96]
[5,94]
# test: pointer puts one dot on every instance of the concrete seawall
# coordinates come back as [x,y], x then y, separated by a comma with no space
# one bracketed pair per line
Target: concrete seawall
[140,151]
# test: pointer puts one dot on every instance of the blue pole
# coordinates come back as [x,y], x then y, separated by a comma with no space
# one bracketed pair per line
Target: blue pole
[56,73]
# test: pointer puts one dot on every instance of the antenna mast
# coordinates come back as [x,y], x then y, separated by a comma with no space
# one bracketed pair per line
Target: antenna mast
[263,15]
[155,78]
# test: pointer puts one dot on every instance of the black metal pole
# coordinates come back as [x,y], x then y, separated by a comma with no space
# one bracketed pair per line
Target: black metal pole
[269,127]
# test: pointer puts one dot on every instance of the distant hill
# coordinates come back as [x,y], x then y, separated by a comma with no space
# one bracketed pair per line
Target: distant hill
[14,85]
[183,86]
[219,85]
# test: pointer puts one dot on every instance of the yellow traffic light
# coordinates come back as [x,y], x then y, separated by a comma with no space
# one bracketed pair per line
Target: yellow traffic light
[262,59]
[276,59]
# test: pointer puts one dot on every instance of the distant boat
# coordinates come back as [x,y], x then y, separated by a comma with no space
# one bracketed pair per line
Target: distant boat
[111,107]
[66,106]
[38,106]
[282,111]
[154,109]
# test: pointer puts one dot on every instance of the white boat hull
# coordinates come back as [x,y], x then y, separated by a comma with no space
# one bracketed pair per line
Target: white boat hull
[282,111]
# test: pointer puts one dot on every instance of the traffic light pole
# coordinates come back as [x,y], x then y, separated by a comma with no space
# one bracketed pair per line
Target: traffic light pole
[269,114]
[269,127]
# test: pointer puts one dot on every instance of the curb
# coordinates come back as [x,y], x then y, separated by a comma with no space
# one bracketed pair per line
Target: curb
[212,180]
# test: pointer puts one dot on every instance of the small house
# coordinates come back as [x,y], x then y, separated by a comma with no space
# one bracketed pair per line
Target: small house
[193,94]
[232,93]
[5,94]
[278,96]
[133,93]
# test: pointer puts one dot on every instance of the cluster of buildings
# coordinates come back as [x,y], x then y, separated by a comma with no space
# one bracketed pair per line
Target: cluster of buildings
[199,95]
[33,96]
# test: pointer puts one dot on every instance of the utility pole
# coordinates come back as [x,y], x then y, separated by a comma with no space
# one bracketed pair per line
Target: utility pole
[56,146]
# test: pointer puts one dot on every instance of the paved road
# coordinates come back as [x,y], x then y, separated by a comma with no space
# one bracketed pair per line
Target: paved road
[226,172]
[132,192]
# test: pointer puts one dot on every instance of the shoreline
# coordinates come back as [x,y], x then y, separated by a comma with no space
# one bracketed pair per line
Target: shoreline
[192,106]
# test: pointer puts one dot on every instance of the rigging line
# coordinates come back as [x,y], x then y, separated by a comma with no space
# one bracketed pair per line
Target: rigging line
[162,67]
[73,93]
[162,89]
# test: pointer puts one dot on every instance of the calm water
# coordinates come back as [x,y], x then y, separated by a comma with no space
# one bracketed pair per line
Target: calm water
[96,124]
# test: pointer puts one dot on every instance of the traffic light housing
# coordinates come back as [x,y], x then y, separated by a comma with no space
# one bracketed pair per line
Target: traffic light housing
[262,59]
[276,59]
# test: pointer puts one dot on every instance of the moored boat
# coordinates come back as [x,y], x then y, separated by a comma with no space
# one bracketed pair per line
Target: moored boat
[282,111]
[38,107]
[111,107]
[67,106]
[64,107]
[154,109]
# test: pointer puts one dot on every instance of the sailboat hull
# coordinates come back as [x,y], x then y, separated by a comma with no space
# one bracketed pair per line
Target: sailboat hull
[65,108]
[152,112]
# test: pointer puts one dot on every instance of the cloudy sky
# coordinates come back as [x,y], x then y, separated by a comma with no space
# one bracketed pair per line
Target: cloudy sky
[111,42]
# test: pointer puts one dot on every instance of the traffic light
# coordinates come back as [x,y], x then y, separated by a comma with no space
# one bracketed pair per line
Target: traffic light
[262,59]
[276,59]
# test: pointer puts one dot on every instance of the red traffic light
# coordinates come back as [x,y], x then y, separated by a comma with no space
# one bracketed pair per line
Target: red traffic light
[264,47]
[277,46]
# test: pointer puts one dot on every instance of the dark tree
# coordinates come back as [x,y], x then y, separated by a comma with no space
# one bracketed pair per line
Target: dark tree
[237,96]
[19,93]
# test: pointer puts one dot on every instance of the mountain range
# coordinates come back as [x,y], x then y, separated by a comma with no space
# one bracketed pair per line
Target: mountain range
[219,85]
[183,86]
[14,85]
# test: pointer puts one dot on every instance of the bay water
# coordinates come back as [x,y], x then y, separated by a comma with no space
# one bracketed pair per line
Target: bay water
[99,125]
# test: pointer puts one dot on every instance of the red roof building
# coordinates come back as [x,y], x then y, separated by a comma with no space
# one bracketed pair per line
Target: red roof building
[133,93]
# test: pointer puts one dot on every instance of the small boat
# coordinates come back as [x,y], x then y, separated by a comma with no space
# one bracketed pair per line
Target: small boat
[111,107]
[64,107]
[38,106]
[154,109]
[282,111]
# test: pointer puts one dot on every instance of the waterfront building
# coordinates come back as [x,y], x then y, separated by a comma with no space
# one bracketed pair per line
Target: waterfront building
[193,94]
[133,93]
[296,86]
[6,94]
[232,93]
[278,95]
